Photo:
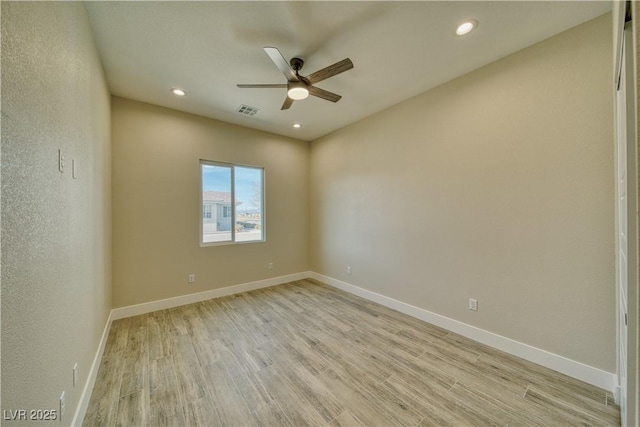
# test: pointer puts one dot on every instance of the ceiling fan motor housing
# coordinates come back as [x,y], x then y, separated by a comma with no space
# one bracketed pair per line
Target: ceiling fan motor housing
[296,64]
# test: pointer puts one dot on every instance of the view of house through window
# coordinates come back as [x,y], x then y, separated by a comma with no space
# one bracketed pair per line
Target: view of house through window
[232,203]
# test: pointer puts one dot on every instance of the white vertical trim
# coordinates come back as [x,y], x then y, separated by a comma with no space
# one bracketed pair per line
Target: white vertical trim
[572,368]
[233,204]
[201,210]
[85,397]
[620,138]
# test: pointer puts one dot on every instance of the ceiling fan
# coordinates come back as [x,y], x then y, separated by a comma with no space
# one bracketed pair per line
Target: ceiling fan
[299,87]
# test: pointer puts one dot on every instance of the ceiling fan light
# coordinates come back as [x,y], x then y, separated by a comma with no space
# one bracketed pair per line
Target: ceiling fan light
[297,93]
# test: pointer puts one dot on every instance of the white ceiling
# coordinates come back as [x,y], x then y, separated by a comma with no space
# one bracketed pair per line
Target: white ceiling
[399,49]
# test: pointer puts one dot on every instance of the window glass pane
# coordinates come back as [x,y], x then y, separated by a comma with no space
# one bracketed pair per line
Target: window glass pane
[249,204]
[216,196]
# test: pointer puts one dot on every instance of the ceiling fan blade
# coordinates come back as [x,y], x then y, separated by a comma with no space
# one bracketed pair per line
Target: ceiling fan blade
[324,94]
[275,85]
[330,71]
[281,63]
[287,103]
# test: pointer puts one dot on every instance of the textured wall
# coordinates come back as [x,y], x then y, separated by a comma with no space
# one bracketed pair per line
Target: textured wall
[497,186]
[55,230]
[156,203]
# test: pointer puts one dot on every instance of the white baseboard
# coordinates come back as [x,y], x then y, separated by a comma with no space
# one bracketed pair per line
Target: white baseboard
[617,392]
[148,307]
[580,371]
[83,404]
[588,374]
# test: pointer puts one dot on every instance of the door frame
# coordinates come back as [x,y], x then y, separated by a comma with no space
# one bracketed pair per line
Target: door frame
[626,33]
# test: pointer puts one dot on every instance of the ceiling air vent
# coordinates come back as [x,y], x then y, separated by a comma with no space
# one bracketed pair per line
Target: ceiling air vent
[247,110]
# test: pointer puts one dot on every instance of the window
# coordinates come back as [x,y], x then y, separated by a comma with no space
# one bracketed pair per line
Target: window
[206,211]
[232,202]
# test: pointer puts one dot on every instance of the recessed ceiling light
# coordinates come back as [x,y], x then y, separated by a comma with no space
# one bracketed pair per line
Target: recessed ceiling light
[178,92]
[466,27]
[297,125]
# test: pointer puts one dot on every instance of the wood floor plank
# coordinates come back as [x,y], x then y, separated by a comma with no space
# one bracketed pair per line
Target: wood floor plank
[176,321]
[158,341]
[183,351]
[495,412]
[271,415]
[305,353]
[251,358]
[564,391]
[297,352]
[351,360]
[316,393]
[358,404]
[438,407]
[411,369]
[484,381]
[292,402]
[202,413]
[426,336]
[345,419]
[555,412]
[189,376]
[225,396]
[540,375]
[206,350]
[103,406]
[133,409]
[164,397]
[281,300]
[602,413]
[218,325]
[427,407]
[135,369]
[252,389]
[118,337]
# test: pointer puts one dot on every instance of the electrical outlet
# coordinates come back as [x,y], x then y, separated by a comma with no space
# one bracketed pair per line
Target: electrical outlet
[270,266]
[192,278]
[473,304]
[349,270]
[75,374]
[62,401]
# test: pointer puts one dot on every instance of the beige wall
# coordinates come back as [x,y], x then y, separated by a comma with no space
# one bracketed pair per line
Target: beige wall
[56,245]
[496,186]
[156,205]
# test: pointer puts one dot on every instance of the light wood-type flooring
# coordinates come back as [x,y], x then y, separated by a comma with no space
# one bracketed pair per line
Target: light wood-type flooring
[305,353]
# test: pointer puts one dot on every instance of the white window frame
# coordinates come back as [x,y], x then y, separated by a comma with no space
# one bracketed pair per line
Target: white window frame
[232,167]
[206,211]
